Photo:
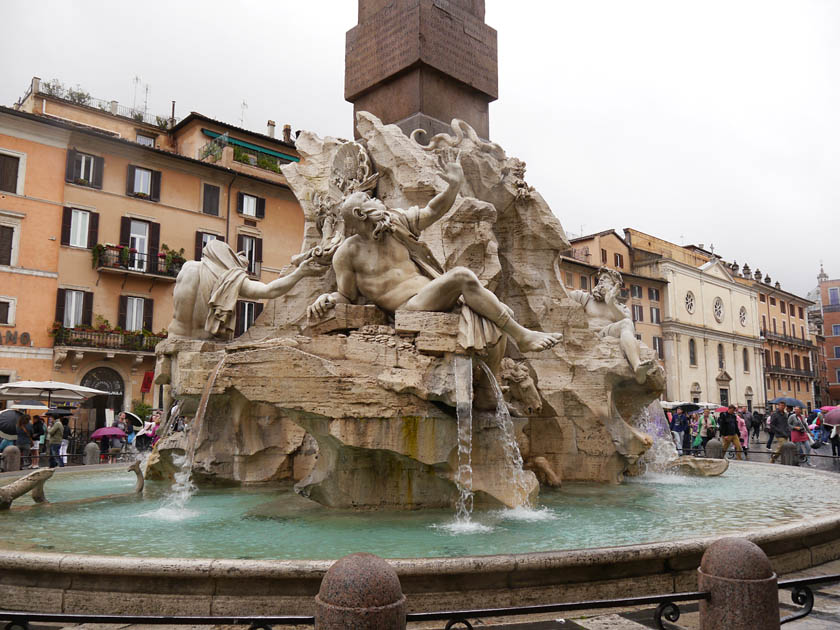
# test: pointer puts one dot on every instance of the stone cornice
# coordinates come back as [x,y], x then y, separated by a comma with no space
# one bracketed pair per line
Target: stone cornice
[671,327]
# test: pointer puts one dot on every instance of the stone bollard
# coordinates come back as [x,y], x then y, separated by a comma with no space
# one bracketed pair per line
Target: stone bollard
[360,591]
[743,587]
[91,454]
[714,449]
[11,458]
[789,454]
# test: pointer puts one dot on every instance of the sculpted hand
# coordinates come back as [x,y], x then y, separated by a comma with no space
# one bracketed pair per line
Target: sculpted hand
[312,268]
[453,174]
[320,306]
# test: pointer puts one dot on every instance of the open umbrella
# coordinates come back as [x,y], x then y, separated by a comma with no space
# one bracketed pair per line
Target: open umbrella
[8,423]
[134,420]
[53,390]
[721,409]
[688,407]
[790,402]
[827,408]
[59,413]
[833,416]
[107,432]
[30,405]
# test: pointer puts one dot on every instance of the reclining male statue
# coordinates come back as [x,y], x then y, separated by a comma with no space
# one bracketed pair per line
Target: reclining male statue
[206,291]
[385,262]
[612,319]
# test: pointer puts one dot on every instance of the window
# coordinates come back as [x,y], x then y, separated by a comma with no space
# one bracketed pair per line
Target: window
[797,362]
[772,301]
[777,359]
[584,283]
[802,330]
[801,313]
[784,327]
[782,306]
[7,311]
[11,172]
[653,294]
[689,302]
[837,376]
[767,360]
[74,308]
[135,313]
[619,261]
[210,202]
[787,360]
[654,315]
[201,240]
[246,315]
[7,239]
[721,357]
[636,291]
[806,364]
[638,313]
[250,206]
[84,169]
[604,256]
[746,360]
[763,323]
[143,183]
[717,308]
[79,228]
[146,141]
[139,241]
[774,325]
[657,345]
[638,336]
[797,385]
[692,352]
[835,330]
[837,352]
[724,397]
[570,279]
[834,295]
[792,310]
[742,316]
[762,297]
[252,247]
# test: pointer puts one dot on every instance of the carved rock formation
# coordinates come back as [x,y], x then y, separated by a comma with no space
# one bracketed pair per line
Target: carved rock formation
[34,481]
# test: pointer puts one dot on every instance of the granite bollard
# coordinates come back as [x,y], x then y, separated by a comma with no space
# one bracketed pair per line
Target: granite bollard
[360,591]
[744,589]
[789,454]
[91,454]
[11,458]
[714,449]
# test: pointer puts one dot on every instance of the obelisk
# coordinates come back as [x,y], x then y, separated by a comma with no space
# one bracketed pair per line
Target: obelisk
[421,63]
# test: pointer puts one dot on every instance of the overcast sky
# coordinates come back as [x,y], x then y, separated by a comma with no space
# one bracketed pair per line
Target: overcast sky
[714,122]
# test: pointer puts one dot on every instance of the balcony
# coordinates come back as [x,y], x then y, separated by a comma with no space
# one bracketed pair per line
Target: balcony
[778,369]
[795,341]
[831,308]
[123,261]
[76,342]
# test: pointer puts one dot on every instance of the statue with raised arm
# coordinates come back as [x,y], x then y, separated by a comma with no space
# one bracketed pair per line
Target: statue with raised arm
[385,262]
[611,318]
[206,291]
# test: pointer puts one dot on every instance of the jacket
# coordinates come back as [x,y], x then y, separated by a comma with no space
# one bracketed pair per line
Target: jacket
[779,424]
[55,433]
[728,424]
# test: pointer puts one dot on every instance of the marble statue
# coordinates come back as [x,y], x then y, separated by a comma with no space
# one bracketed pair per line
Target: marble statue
[206,291]
[385,262]
[612,318]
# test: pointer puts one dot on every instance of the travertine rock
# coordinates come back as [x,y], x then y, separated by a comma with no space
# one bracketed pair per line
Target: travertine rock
[699,466]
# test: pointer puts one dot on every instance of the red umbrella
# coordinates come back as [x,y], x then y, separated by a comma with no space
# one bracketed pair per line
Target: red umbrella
[833,416]
[107,432]
[826,408]
[721,409]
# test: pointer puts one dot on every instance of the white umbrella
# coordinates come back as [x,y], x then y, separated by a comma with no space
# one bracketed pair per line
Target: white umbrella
[30,405]
[53,390]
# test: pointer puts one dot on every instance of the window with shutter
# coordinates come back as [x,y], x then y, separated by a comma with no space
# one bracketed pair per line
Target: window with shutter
[211,200]
[74,303]
[9,166]
[7,236]
[79,228]
[84,169]
[5,310]
[249,205]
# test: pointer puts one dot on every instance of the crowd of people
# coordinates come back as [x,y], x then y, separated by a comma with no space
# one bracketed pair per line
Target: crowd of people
[737,426]
[41,436]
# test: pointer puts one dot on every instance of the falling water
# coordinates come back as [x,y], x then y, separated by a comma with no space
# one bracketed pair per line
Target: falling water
[513,458]
[463,402]
[652,420]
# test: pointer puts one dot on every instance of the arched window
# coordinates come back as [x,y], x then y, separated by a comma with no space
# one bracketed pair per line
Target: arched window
[806,364]
[746,360]
[767,360]
[787,360]
[692,352]
[777,359]
[721,360]
[796,363]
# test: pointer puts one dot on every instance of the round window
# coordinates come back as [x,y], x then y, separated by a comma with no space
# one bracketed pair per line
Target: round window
[742,316]
[718,309]
[689,302]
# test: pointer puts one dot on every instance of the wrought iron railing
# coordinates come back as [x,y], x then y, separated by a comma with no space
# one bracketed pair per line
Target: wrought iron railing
[87,338]
[149,263]
[667,609]
[778,369]
[788,339]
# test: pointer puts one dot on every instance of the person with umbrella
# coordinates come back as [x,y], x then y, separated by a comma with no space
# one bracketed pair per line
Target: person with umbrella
[55,434]
[24,438]
[779,429]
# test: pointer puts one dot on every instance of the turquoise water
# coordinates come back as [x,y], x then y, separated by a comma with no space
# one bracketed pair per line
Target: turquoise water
[275,523]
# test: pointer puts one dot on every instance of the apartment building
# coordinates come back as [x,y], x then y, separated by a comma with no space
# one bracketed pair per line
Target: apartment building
[828,296]
[108,203]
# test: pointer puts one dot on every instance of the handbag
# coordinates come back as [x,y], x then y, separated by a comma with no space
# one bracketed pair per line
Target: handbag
[817,444]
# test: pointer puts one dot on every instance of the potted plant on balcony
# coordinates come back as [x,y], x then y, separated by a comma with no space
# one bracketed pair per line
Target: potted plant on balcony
[124,256]
[96,254]
[172,260]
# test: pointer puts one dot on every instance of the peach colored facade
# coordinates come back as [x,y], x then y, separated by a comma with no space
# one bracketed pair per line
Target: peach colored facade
[78,272]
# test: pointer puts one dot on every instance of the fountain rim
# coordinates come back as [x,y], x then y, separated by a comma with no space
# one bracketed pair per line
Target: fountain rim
[420,566]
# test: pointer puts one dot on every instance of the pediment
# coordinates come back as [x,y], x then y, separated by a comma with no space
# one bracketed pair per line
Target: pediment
[723,377]
[717,269]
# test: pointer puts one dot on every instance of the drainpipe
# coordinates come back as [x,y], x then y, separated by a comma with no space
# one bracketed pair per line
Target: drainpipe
[227,216]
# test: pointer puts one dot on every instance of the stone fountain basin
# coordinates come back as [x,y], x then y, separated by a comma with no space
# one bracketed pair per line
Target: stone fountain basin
[77,583]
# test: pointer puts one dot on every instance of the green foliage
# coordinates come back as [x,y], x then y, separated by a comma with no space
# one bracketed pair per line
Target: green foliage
[268,162]
[124,256]
[141,409]
[96,253]
[240,155]
[78,95]
[53,88]
[162,122]
[173,260]
[137,116]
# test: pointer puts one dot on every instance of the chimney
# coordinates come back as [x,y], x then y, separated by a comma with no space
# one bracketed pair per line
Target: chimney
[287,133]
[271,126]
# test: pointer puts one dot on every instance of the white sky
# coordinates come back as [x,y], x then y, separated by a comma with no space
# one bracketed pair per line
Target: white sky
[701,122]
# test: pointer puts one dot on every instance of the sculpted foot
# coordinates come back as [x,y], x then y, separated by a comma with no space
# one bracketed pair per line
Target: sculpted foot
[643,369]
[533,341]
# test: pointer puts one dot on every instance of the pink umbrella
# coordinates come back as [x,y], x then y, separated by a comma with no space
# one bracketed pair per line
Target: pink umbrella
[107,432]
[827,408]
[833,416]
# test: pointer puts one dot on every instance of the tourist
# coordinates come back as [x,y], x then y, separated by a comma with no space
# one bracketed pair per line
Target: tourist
[779,429]
[65,442]
[24,438]
[679,424]
[744,432]
[54,436]
[693,432]
[39,433]
[730,435]
[834,438]
[707,428]
[757,422]
[799,434]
